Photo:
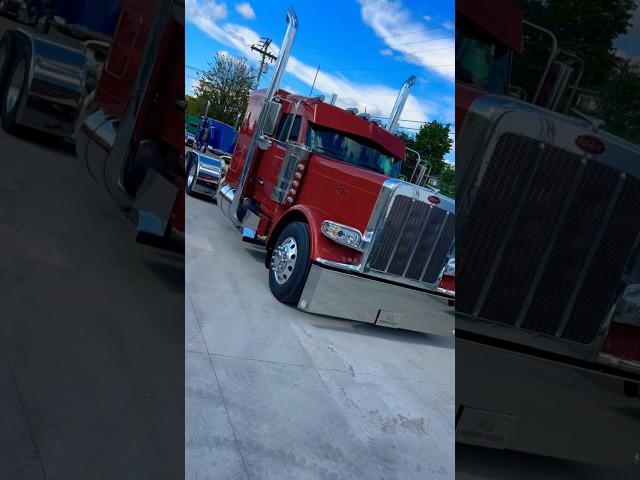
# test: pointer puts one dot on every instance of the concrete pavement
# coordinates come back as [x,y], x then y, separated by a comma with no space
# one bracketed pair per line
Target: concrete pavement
[91,328]
[275,393]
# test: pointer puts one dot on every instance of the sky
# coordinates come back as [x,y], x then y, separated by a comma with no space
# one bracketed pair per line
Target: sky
[366,49]
[629,45]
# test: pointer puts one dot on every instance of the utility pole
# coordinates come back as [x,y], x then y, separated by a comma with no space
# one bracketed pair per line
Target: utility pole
[314,80]
[263,49]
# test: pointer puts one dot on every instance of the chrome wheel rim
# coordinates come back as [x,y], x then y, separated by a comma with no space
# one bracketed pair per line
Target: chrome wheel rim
[283,260]
[192,174]
[15,86]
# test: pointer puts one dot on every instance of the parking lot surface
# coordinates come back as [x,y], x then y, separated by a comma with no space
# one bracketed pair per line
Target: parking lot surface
[275,393]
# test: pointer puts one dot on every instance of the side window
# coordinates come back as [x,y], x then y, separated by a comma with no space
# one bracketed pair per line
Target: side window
[285,126]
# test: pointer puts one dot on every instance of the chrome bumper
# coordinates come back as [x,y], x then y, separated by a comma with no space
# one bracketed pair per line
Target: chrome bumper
[344,295]
[509,400]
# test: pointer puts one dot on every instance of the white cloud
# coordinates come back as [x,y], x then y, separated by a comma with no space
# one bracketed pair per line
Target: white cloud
[206,8]
[387,52]
[246,11]
[427,18]
[378,98]
[428,49]
[448,25]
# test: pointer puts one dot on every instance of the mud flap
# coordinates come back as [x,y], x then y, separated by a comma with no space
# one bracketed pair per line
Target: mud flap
[154,203]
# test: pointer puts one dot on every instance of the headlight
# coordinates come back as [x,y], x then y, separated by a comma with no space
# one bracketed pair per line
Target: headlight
[342,234]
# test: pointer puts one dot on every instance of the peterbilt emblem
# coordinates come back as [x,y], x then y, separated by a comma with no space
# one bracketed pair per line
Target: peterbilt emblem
[590,144]
[433,199]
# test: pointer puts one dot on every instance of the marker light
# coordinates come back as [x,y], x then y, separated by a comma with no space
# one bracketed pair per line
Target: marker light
[342,234]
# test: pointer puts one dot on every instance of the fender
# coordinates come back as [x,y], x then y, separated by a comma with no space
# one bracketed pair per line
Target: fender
[321,246]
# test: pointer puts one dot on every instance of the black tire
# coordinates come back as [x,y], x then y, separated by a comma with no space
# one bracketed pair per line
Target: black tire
[8,44]
[290,290]
[9,111]
[188,187]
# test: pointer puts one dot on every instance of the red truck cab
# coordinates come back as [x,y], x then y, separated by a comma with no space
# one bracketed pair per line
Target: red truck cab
[350,158]
[317,185]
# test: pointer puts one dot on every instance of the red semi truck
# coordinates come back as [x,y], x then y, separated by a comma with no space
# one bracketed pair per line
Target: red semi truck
[548,272]
[313,183]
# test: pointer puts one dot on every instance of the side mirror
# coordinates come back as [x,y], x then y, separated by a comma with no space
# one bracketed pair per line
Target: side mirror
[271,121]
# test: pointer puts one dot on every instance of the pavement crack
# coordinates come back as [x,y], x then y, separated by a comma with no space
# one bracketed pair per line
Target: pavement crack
[23,409]
[224,400]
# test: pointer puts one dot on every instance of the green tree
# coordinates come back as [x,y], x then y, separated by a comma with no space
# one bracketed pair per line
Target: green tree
[226,83]
[620,102]
[432,142]
[584,27]
[447,181]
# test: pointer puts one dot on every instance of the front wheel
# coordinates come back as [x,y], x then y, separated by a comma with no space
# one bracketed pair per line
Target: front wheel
[290,263]
[14,91]
[191,177]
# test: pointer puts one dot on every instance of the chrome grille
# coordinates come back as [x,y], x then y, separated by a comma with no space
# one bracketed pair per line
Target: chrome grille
[413,242]
[546,240]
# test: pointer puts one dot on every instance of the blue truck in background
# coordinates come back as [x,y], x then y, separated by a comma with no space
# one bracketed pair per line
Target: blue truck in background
[86,20]
[99,17]
[215,136]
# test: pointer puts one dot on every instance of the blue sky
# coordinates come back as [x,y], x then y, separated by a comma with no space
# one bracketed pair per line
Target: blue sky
[629,45]
[365,48]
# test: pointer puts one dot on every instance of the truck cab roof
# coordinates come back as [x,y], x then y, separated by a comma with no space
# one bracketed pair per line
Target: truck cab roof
[331,116]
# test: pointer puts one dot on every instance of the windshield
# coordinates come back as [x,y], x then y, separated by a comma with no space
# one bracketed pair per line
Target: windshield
[482,62]
[351,150]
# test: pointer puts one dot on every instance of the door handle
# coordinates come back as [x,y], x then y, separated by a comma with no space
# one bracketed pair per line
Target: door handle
[260,181]
[341,190]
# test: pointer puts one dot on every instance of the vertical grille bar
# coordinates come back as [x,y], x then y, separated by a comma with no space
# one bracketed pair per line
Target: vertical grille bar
[516,212]
[441,247]
[592,251]
[415,246]
[552,240]
[433,248]
[399,238]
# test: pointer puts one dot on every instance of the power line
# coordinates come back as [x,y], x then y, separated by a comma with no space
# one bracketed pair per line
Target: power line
[380,38]
[378,47]
[392,69]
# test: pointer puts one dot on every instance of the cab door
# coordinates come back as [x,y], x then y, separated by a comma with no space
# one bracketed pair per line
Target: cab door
[288,130]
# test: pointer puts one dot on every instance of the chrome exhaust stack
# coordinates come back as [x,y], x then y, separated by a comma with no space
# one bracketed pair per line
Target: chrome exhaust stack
[394,118]
[269,113]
